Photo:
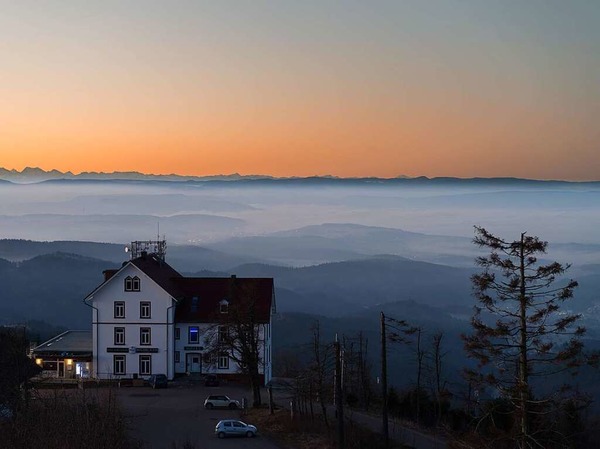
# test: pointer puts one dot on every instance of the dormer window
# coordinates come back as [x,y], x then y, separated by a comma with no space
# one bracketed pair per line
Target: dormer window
[132,284]
[194,306]
[224,306]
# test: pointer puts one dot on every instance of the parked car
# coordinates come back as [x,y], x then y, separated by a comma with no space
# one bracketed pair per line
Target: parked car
[158,381]
[220,401]
[211,381]
[235,428]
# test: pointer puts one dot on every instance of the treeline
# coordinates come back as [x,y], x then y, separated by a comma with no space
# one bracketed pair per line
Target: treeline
[516,392]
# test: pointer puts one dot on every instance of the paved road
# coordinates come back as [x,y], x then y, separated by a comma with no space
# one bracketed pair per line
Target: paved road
[397,431]
[175,415]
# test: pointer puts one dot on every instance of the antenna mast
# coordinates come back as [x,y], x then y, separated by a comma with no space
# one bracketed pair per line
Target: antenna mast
[157,247]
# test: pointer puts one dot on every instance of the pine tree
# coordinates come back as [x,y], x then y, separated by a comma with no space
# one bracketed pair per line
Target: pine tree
[521,329]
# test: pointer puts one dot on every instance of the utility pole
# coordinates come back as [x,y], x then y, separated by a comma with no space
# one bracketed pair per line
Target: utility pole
[339,395]
[384,392]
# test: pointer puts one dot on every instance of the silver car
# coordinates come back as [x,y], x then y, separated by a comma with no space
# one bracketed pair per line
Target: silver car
[220,400]
[235,428]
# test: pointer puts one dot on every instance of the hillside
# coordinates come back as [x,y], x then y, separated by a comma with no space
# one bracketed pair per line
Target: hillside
[181,257]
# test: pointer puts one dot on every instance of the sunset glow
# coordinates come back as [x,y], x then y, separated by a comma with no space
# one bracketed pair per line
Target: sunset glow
[370,89]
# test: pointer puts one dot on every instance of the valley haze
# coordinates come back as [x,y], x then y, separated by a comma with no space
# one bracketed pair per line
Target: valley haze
[339,249]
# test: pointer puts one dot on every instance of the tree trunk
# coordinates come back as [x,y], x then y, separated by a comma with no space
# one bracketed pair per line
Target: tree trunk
[384,392]
[256,384]
[419,370]
[523,365]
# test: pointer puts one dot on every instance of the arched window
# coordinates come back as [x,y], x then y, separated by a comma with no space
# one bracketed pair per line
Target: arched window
[136,284]
[132,284]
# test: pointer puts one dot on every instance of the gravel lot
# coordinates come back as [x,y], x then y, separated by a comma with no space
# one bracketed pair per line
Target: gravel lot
[176,415]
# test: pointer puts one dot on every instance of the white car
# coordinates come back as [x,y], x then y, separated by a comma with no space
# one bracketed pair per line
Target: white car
[222,401]
[235,428]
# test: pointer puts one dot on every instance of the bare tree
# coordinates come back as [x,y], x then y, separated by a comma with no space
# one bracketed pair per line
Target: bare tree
[402,332]
[322,357]
[439,384]
[520,329]
[239,335]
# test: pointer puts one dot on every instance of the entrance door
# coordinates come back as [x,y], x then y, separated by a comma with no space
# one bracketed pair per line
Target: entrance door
[61,369]
[194,363]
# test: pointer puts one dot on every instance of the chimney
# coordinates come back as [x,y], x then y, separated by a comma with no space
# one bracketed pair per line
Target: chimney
[233,276]
[144,254]
[108,274]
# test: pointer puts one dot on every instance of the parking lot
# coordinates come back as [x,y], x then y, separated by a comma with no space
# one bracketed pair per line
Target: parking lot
[163,417]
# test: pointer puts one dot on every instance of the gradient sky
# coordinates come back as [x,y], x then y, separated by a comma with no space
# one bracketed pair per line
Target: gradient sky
[352,88]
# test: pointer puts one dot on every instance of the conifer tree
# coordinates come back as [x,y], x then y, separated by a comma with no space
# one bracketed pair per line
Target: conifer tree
[521,330]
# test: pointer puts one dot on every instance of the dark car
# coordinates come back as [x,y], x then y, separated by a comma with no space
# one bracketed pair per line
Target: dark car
[158,381]
[211,381]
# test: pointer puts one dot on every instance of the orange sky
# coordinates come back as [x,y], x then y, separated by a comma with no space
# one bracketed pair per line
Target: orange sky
[305,92]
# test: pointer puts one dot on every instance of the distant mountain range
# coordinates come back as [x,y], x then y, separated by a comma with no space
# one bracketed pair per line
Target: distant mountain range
[35,174]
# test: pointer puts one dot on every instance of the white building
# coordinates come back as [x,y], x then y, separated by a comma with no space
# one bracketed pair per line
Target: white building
[148,319]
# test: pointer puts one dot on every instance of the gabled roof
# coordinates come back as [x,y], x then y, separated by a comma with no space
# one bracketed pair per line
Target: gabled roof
[159,271]
[208,291]
[211,291]
[68,343]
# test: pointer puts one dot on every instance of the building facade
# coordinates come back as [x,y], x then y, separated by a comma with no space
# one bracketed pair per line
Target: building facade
[148,319]
[66,356]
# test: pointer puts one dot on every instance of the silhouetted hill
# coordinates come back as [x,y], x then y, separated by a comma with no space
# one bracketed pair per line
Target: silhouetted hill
[335,242]
[17,250]
[51,288]
[344,288]
[181,257]
[292,334]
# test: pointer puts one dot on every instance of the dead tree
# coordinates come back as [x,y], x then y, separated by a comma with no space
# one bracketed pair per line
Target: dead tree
[520,327]
[239,335]
[322,358]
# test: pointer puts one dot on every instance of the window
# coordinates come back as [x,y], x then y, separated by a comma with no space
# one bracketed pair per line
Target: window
[119,309]
[145,309]
[145,365]
[194,305]
[177,357]
[223,361]
[145,337]
[132,284]
[119,336]
[177,333]
[224,306]
[118,364]
[223,333]
[193,334]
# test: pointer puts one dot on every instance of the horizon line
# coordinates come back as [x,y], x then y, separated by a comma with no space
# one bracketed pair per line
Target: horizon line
[26,170]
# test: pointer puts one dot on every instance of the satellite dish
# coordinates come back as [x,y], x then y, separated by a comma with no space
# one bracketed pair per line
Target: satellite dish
[127,249]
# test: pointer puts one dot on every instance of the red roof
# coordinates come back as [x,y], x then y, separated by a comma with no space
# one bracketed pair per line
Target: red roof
[159,271]
[211,291]
[208,291]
